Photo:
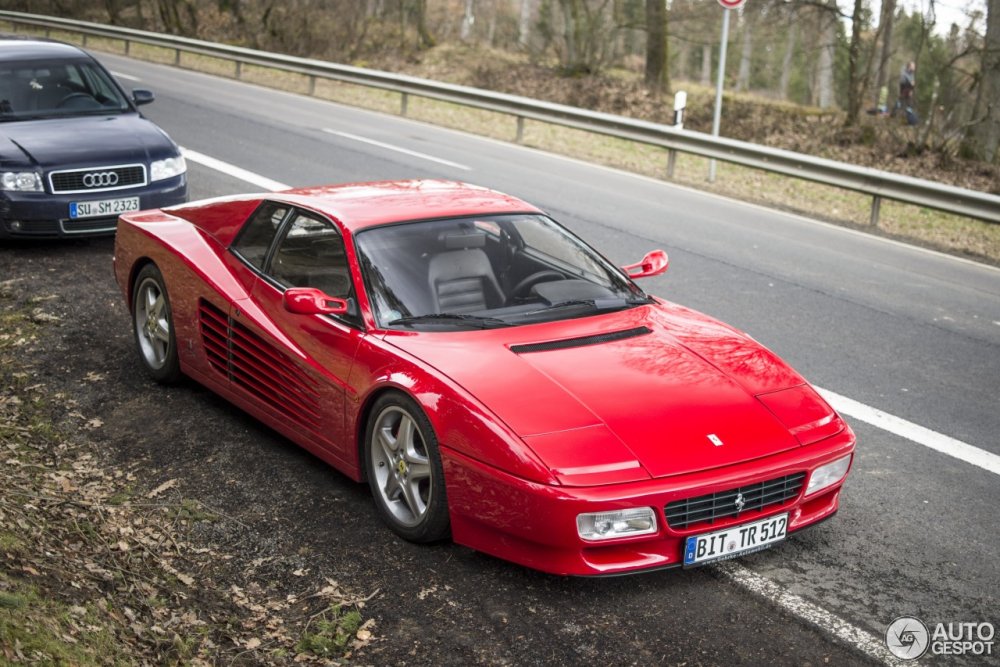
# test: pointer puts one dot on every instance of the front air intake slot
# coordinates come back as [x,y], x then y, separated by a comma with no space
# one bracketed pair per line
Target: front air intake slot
[581,341]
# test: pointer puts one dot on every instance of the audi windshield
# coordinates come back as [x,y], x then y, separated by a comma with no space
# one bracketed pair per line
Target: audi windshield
[50,88]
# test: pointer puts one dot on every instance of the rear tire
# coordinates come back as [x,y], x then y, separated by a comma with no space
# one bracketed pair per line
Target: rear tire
[153,326]
[404,470]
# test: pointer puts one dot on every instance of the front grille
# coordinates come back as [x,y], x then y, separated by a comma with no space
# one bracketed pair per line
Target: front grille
[713,506]
[98,179]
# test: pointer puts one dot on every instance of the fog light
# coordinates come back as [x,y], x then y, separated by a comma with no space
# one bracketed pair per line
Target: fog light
[15,225]
[610,525]
[829,474]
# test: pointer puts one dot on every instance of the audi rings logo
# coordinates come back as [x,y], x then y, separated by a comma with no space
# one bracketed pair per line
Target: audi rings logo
[100,179]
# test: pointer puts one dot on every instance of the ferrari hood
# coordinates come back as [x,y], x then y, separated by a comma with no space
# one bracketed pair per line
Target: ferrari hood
[659,387]
[83,141]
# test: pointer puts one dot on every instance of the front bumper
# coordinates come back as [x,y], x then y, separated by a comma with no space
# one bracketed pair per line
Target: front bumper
[535,525]
[41,215]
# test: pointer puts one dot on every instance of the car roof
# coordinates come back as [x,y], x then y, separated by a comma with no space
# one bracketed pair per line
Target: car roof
[360,205]
[16,48]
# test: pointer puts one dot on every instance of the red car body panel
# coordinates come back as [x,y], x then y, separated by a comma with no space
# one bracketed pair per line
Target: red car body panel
[528,439]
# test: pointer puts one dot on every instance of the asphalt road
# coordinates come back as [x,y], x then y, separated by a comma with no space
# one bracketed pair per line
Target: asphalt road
[903,330]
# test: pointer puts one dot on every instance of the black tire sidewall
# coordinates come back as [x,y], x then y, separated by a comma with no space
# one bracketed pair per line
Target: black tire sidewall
[435,525]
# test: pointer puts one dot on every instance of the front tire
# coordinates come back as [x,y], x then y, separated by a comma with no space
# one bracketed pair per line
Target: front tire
[153,325]
[404,470]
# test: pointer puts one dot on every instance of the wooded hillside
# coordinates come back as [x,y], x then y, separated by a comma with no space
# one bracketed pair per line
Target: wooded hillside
[839,64]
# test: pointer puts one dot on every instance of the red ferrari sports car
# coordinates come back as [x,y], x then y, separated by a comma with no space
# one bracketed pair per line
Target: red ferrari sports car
[491,376]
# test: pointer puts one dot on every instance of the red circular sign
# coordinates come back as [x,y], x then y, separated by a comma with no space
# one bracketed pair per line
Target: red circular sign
[732,4]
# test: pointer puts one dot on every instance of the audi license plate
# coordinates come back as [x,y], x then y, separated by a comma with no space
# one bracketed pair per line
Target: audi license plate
[102,207]
[735,541]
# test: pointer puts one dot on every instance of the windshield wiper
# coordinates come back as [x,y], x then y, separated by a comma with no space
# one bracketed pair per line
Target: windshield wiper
[482,322]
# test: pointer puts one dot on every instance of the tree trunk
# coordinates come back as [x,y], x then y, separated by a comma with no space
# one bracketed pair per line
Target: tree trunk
[420,14]
[786,62]
[706,64]
[825,96]
[982,139]
[524,23]
[657,77]
[855,80]
[746,52]
[468,18]
[885,22]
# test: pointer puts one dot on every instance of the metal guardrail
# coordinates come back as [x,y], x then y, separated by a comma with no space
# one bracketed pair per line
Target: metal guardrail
[878,184]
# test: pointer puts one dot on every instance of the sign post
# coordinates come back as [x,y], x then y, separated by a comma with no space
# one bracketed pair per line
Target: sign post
[717,115]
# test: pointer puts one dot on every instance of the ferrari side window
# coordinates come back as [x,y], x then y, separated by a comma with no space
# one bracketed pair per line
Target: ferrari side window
[312,255]
[259,232]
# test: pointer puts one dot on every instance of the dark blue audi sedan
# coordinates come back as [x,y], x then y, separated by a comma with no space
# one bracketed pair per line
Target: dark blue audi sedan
[74,150]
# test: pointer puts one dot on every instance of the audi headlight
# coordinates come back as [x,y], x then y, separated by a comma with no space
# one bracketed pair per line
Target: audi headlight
[172,166]
[21,181]
[827,475]
[623,523]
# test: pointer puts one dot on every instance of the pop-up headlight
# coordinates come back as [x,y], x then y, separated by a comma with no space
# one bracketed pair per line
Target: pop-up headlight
[804,413]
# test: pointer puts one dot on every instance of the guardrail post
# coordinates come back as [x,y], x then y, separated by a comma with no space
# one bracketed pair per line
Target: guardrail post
[671,163]
[84,40]
[128,46]
[239,69]
[177,57]
[312,86]
[404,102]
[520,130]
[876,205]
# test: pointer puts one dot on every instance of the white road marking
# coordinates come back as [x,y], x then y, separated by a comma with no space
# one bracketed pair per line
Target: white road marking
[390,147]
[233,170]
[913,432]
[127,77]
[848,406]
[869,644]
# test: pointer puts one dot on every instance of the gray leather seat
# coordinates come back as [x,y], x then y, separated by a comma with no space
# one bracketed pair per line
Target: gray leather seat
[461,278]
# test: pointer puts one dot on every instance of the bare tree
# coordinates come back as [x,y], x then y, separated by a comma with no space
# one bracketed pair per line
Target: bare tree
[524,23]
[468,19]
[886,19]
[786,62]
[746,51]
[855,79]
[825,95]
[982,137]
[657,73]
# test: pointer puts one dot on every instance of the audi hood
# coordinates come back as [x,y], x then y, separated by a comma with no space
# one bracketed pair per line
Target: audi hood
[653,391]
[61,143]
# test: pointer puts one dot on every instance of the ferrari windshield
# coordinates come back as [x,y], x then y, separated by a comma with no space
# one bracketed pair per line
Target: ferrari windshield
[57,88]
[486,272]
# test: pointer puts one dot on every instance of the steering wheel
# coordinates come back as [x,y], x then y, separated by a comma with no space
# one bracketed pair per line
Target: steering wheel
[523,287]
[70,100]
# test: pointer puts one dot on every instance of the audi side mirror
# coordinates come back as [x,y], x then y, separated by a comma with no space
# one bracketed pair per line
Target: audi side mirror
[142,96]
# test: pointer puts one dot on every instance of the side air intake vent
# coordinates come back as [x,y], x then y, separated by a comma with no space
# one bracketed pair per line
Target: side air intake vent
[581,341]
[251,363]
